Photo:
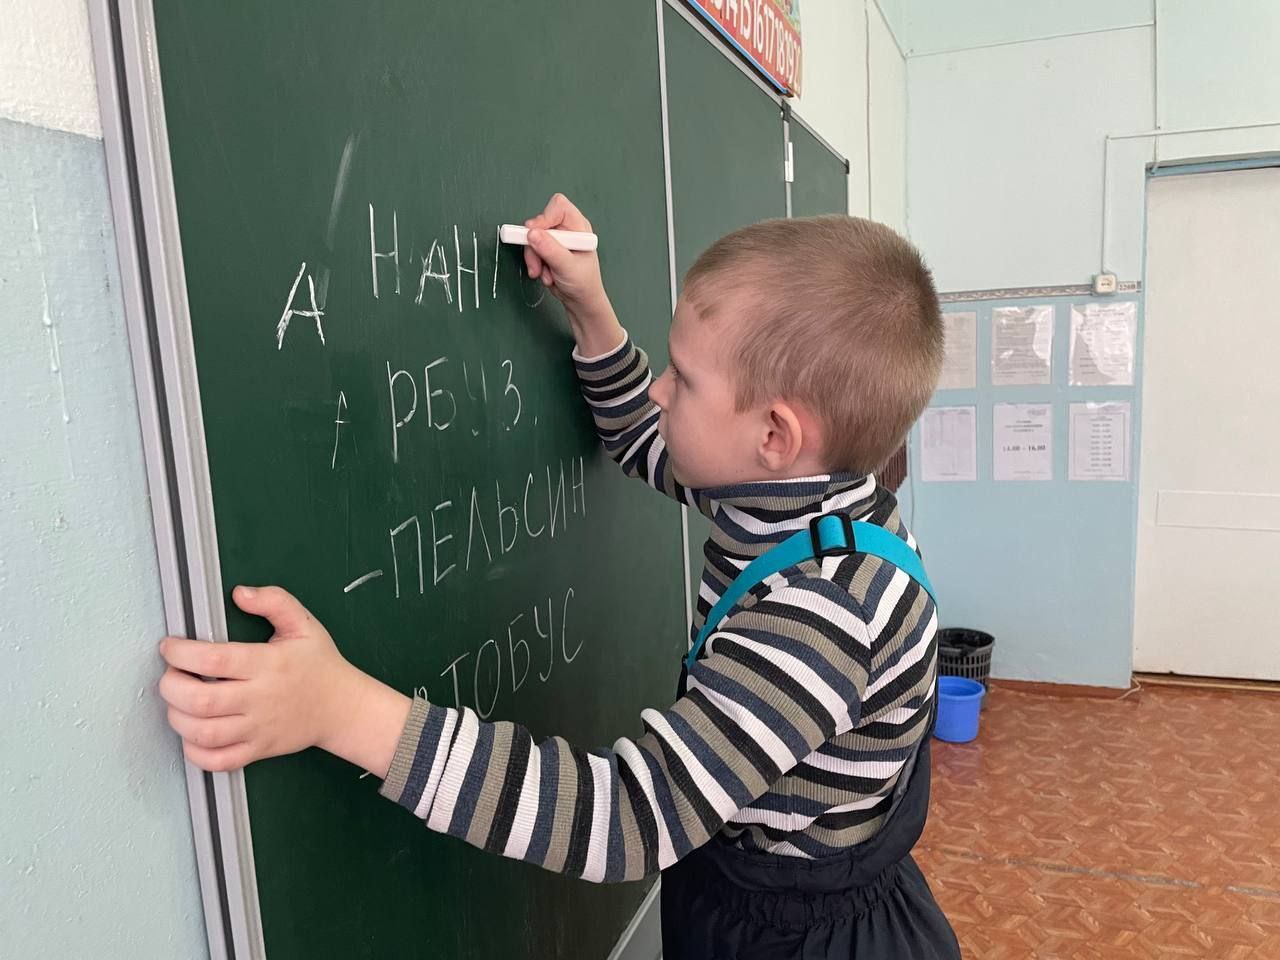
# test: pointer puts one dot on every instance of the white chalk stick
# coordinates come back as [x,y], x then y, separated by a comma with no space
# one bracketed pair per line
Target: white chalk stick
[570,239]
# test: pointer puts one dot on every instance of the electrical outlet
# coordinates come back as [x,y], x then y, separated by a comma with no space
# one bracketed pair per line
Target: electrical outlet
[1104,283]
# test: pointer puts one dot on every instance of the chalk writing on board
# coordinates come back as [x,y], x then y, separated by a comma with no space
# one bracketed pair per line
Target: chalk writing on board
[484,390]
[511,388]
[371,575]
[512,645]
[472,529]
[337,426]
[474,269]
[439,274]
[497,246]
[441,401]
[476,519]
[542,291]
[486,665]
[491,527]
[437,542]
[434,272]
[393,255]
[434,264]
[395,557]
[289,312]
[396,424]
[445,422]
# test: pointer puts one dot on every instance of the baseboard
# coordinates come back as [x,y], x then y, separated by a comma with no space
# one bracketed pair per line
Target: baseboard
[1065,689]
[1207,683]
[642,939]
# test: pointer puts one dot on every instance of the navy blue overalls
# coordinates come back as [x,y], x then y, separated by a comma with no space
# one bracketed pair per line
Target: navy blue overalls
[869,902]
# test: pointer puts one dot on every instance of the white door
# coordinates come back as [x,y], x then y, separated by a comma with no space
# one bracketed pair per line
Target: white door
[1208,564]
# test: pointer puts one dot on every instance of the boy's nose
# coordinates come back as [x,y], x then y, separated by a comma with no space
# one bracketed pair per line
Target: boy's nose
[658,390]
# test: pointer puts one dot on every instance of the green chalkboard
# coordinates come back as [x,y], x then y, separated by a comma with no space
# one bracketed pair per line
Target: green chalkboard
[425,477]
[821,179]
[726,165]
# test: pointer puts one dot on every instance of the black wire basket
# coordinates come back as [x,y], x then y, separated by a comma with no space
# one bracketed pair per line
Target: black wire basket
[965,653]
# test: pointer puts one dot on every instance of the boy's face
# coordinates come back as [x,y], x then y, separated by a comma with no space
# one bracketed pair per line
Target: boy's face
[710,442]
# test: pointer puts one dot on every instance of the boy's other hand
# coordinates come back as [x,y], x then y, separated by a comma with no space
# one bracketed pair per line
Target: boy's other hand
[572,276]
[267,699]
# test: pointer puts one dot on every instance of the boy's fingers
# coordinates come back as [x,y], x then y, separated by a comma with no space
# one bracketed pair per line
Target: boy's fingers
[560,212]
[549,217]
[551,251]
[286,614]
[532,262]
[210,733]
[232,661]
[219,760]
[200,698]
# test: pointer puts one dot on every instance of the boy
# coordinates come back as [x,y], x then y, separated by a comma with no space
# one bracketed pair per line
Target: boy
[783,791]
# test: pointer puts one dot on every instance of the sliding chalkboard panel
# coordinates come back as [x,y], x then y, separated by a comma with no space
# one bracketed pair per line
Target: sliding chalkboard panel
[393,427]
[821,183]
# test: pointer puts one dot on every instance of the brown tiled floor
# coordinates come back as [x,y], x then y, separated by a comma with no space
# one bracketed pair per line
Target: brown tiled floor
[1147,827]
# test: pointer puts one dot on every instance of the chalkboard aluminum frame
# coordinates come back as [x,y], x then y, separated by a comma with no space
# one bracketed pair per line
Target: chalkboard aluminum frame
[144,211]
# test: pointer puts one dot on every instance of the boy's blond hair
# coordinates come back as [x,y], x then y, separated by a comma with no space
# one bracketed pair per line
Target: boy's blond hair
[838,314]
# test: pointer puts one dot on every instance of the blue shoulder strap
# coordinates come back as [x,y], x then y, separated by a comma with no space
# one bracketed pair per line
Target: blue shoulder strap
[829,535]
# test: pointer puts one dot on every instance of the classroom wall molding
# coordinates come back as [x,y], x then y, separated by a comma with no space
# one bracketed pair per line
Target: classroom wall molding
[1072,690]
[1027,293]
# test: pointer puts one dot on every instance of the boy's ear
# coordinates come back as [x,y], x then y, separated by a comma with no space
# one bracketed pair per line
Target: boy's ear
[784,437]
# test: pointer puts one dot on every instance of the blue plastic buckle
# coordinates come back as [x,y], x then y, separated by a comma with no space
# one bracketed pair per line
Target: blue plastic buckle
[842,523]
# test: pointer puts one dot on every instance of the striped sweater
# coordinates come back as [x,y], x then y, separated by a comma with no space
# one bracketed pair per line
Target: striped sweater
[798,718]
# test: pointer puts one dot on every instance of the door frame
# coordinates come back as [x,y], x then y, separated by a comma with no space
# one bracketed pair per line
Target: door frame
[1182,167]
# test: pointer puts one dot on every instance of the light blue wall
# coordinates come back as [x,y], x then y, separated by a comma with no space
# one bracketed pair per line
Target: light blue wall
[1005,144]
[96,855]
[934,25]
[1216,67]
[1045,566]
[887,127]
[895,14]
[1005,154]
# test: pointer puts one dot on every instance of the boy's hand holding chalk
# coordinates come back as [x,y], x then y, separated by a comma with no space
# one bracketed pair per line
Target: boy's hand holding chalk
[569,239]
[559,249]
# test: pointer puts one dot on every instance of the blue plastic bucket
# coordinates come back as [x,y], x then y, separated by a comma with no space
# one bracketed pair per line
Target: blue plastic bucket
[959,704]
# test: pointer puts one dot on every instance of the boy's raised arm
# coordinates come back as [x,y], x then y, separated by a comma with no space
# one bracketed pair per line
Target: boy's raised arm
[616,387]
[615,374]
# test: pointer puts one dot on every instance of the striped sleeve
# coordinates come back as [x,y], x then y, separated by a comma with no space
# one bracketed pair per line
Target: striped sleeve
[616,387]
[779,679]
